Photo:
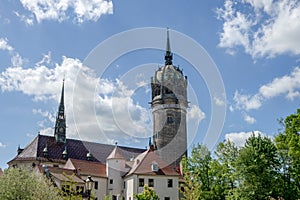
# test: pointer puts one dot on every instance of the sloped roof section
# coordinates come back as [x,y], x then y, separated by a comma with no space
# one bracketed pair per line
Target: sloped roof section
[143,165]
[77,149]
[116,154]
[83,167]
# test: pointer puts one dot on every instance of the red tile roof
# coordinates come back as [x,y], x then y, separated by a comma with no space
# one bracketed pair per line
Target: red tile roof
[83,167]
[143,163]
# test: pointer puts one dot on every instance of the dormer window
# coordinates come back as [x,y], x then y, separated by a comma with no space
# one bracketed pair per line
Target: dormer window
[154,167]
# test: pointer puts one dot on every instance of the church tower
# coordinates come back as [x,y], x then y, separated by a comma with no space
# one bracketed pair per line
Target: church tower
[169,104]
[60,123]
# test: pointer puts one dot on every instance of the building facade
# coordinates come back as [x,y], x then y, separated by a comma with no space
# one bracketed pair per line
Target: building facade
[118,170]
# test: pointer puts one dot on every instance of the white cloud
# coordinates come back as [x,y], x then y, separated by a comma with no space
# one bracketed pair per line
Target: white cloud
[17,60]
[60,10]
[248,118]
[195,113]
[247,102]
[28,20]
[286,85]
[99,110]
[219,101]
[262,27]
[240,138]
[4,45]
[2,145]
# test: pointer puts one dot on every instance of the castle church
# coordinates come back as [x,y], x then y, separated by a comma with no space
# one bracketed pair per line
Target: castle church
[118,170]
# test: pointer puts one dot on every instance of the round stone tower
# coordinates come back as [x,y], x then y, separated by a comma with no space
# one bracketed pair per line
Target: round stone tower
[169,104]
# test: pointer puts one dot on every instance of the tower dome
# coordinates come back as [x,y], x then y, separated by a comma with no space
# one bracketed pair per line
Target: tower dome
[169,104]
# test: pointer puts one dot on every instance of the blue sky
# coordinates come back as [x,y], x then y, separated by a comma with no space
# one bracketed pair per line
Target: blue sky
[254,45]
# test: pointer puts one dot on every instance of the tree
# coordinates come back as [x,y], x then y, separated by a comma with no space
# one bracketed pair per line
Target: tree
[288,145]
[202,176]
[147,194]
[191,188]
[227,154]
[257,167]
[19,183]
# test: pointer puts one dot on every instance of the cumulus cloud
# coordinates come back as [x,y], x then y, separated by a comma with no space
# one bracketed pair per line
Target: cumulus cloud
[61,10]
[240,138]
[4,45]
[262,27]
[247,102]
[287,86]
[195,113]
[97,109]
[2,145]
[248,118]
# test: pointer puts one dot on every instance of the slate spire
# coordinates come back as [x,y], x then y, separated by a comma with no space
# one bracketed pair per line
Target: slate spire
[60,124]
[168,55]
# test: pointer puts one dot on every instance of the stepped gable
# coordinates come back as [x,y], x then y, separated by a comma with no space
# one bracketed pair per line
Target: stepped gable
[77,149]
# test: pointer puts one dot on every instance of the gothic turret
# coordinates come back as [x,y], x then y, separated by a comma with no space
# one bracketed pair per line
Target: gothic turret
[169,104]
[60,124]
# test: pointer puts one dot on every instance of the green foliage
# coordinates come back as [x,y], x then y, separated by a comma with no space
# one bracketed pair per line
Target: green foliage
[191,188]
[262,169]
[68,190]
[19,183]
[108,197]
[147,194]
[288,145]
[257,166]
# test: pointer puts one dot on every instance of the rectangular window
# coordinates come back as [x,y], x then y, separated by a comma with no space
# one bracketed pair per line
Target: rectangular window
[111,181]
[79,189]
[167,198]
[170,183]
[124,184]
[96,185]
[141,182]
[66,189]
[151,182]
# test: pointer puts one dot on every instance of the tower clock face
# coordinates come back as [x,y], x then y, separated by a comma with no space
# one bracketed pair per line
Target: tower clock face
[61,130]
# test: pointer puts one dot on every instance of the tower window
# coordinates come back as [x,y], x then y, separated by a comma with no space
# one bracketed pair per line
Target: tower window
[170,120]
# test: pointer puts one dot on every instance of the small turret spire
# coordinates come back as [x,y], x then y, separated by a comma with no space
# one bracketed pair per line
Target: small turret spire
[168,55]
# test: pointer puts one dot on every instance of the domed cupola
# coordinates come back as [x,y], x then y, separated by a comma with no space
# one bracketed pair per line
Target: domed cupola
[169,104]
[169,84]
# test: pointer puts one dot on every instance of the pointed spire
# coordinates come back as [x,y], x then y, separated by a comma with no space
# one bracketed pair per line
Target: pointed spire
[60,124]
[168,55]
[62,93]
[168,47]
